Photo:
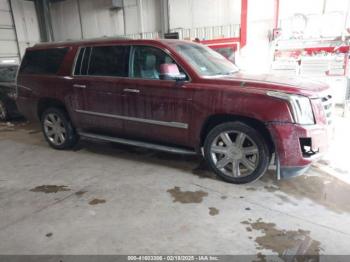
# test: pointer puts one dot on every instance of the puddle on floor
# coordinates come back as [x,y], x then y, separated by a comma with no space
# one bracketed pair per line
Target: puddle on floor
[251,189]
[80,193]
[203,171]
[187,197]
[97,201]
[317,186]
[285,242]
[213,211]
[50,189]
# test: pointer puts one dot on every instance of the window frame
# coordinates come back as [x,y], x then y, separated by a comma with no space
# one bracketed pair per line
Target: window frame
[131,60]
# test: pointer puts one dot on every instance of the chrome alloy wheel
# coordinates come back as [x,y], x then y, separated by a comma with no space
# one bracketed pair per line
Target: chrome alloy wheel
[235,154]
[55,129]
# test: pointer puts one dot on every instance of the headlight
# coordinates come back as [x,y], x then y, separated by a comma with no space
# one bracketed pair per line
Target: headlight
[300,106]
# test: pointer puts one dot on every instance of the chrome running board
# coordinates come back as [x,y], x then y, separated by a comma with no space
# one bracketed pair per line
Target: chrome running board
[175,150]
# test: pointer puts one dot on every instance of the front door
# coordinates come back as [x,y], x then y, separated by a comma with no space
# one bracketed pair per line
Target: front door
[156,109]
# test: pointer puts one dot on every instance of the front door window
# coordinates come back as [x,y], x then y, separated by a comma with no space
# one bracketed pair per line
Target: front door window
[153,63]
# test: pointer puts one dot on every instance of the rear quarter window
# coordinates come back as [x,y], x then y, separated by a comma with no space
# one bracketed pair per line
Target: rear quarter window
[47,61]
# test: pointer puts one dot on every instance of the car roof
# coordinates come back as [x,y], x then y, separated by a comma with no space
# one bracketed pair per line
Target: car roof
[106,40]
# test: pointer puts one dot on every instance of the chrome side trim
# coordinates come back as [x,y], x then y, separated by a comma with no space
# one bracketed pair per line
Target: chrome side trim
[135,119]
[175,150]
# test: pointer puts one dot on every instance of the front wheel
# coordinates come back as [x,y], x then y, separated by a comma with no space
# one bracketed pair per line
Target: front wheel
[236,152]
[58,129]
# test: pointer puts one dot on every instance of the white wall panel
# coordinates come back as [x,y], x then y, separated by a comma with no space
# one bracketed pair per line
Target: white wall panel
[99,19]
[7,34]
[65,20]
[5,18]
[8,44]
[26,22]
[203,13]
[4,5]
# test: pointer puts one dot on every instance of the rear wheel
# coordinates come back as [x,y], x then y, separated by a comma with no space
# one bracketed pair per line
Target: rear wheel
[236,152]
[3,111]
[57,129]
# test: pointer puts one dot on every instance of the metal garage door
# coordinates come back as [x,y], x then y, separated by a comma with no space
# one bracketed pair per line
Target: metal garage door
[8,42]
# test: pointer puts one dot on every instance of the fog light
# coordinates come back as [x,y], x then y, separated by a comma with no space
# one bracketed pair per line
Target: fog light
[306,147]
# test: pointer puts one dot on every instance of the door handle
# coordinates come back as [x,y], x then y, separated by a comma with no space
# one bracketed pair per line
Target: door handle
[130,90]
[79,86]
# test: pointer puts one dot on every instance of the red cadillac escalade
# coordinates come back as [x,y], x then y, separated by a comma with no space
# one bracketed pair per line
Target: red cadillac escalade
[174,96]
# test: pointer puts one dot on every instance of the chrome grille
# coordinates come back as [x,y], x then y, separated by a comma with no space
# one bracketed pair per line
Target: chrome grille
[327,107]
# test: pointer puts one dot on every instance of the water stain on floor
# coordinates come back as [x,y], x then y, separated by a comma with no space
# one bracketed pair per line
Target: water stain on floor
[203,171]
[317,186]
[32,132]
[50,189]
[80,193]
[251,189]
[285,242]
[187,197]
[97,201]
[213,211]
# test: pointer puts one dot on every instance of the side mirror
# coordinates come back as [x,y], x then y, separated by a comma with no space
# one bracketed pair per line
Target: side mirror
[171,72]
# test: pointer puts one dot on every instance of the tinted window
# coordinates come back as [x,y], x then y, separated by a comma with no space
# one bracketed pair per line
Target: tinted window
[147,62]
[86,61]
[109,61]
[46,61]
[77,70]
[82,63]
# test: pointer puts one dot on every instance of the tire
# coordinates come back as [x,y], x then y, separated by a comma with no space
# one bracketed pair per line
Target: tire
[4,115]
[236,152]
[58,129]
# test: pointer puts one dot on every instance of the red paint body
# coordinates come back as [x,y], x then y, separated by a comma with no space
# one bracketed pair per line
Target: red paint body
[192,102]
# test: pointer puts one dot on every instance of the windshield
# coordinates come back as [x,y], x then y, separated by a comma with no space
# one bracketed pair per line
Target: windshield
[206,61]
[8,73]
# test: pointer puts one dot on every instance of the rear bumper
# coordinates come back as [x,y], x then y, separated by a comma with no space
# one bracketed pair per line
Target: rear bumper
[297,147]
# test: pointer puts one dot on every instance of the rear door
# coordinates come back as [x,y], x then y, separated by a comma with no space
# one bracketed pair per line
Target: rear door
[98,95]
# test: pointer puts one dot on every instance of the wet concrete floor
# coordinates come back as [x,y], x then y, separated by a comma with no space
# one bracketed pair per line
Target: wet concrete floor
[103,198]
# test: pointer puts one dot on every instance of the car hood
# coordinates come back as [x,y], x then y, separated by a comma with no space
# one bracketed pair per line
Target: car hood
[296,85]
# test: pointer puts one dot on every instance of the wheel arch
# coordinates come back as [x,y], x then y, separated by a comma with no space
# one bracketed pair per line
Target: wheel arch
[218,119]
[47,102]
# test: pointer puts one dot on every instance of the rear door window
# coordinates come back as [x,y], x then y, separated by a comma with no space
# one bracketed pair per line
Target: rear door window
[109,61]
[47,61]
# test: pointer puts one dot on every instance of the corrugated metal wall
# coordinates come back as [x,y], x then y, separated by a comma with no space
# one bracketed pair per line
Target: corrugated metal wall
[8,43]
[17,31]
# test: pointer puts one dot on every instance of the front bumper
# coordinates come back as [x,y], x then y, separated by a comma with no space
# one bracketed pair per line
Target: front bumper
[290,142]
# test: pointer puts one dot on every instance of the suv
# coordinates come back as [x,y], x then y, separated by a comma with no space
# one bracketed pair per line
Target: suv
[174,96]
[8,107]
